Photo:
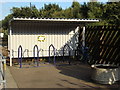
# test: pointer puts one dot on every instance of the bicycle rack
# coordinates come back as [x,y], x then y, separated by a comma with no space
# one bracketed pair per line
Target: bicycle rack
[12,52]
[40,50]
[26,50]
[20,57]
[53,51]
[36,58]
[66,45]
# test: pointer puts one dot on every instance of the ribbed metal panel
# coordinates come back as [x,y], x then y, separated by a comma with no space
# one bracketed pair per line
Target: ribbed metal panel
[26,34]
[56,19]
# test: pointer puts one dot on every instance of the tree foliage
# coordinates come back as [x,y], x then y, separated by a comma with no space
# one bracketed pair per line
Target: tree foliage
[111,13]
[50,10]
[108,13]
[5,22]
[76,10]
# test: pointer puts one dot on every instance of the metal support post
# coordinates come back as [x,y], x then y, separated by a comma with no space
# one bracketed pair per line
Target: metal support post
[10,47]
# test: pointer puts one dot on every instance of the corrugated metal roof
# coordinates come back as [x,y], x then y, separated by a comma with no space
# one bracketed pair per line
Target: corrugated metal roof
[55,19]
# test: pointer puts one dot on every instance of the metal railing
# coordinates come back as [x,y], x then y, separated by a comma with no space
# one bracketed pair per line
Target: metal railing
[2,72]
[27,52]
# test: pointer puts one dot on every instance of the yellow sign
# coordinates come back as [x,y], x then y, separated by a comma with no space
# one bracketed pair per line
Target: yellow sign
[41,38]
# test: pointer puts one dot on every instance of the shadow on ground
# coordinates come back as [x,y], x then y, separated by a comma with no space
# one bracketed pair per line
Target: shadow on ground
[70,77]
[84,72]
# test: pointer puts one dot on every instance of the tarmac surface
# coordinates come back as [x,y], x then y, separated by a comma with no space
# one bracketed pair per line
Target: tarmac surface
[73,76]
[10,82]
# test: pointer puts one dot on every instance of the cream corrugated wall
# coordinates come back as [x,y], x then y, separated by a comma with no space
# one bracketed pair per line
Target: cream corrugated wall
[26,35]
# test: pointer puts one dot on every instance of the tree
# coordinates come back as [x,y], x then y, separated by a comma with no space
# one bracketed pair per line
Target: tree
[95,10]
[5,22]
[59,14]
[76,9]
[68,13]
[49,10]
[84,10]
[34,12]
[0,24]
[28,12]
[16,12]
[112,13]
[108,13]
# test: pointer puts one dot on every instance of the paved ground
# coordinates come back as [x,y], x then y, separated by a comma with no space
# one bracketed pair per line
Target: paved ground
[75,76]
[10,82]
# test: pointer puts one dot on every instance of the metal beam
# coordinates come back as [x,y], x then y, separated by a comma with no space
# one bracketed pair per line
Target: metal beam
[10,46]
[83,37]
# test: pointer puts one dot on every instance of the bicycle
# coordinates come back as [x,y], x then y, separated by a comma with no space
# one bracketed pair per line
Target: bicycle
[82,53]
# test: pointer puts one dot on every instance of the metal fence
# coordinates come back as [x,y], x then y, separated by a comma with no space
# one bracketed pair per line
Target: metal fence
[2,72]
[103,44]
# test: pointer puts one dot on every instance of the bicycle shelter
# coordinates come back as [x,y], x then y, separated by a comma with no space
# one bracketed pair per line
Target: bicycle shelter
[45,32]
